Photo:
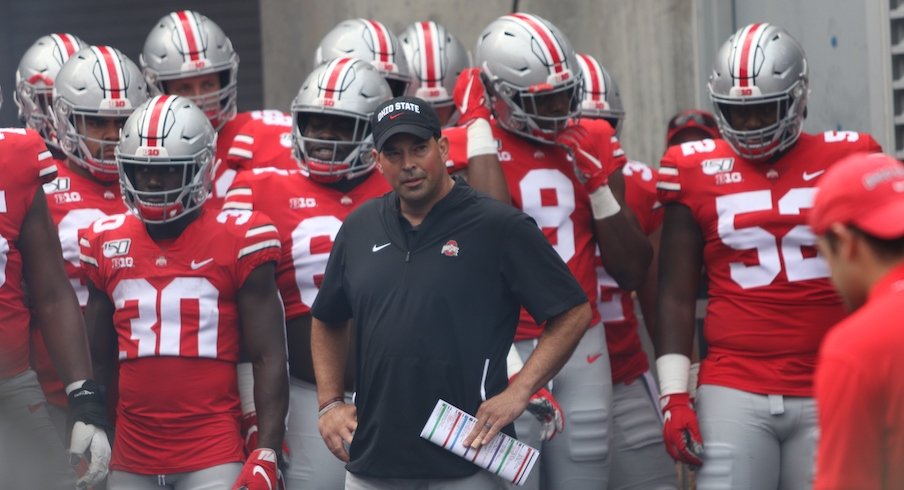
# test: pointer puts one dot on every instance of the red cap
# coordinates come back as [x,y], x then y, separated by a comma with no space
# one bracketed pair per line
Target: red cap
[865,190]
[692,118]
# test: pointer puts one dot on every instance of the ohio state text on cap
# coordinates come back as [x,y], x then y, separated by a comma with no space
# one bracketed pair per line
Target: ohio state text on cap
[409,115]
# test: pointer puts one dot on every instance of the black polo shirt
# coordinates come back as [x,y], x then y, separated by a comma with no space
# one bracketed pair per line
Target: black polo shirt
[435,311]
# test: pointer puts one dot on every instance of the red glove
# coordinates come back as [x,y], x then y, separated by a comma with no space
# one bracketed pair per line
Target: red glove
[588,168]
[261,472]
[680,430]
[470,96]
[547,410]
[249,431]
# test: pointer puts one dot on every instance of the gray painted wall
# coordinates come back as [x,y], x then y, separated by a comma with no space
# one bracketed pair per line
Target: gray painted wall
[123,25]
[646,44]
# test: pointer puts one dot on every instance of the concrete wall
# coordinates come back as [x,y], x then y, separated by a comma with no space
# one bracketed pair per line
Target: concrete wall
[648,45]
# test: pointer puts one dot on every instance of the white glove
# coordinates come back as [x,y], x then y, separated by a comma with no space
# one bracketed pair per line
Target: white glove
[92,440]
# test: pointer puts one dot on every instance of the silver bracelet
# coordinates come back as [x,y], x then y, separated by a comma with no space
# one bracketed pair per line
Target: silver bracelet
[329,406]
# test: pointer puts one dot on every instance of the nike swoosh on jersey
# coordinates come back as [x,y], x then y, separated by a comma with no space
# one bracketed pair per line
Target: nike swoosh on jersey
[808,176]
[593,357]
[377,248]
[197,265]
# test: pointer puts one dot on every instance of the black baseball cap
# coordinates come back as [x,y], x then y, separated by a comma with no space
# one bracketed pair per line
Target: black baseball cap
[404,114]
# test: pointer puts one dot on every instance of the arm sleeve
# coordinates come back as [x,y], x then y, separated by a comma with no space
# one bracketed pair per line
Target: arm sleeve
[668,183]
[259,244]
[88,256]
[534,272]
[332,304]
[241,193]
[612,152]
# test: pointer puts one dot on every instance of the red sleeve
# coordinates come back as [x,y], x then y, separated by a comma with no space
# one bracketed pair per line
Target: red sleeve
[668,182]
[259,242]
[848,437]
[640,195]
[88,245]
[241,193]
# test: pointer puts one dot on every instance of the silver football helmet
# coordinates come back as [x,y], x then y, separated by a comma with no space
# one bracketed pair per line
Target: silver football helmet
[34,81]
[171,132]
[187,44]
[529,62]
[760,64]
[344,87]
[601,99]
[435,58]
[97,82]
[371,41]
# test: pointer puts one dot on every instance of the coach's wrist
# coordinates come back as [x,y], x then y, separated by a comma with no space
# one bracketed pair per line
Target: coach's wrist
[330,404]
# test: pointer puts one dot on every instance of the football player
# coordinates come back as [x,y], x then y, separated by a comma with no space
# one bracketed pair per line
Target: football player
[691,125]
[738,207]
[174,289]
[332,141]
[639,459]
[32,275]
[34,83]
[533,87]
[371,41]
[33,96]
[90,111]
[188,54]
[435,58]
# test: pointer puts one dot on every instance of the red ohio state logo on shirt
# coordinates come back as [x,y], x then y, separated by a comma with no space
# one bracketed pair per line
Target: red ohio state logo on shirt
[450,249]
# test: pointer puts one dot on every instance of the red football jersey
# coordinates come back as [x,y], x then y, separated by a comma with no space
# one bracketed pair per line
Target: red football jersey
[25,163]
[542,183]
[770,300]
[177,326]
[308,216]
[616,306]
[253,139]
[75,202]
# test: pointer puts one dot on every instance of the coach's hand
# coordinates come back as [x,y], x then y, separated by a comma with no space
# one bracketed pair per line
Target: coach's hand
[680,430]
[337,427]
[495,413]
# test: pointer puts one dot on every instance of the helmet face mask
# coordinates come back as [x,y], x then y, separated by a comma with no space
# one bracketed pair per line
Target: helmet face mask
[184,45]
[331,130]
[166,159]
[328,159]
[527,60]
[370,41]
[541,114]
[35,74]
[761,70]
[97,84]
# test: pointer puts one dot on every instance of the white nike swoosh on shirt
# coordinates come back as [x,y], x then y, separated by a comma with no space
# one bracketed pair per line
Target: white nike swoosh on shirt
[809,176]
[197,265]
[377,248]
